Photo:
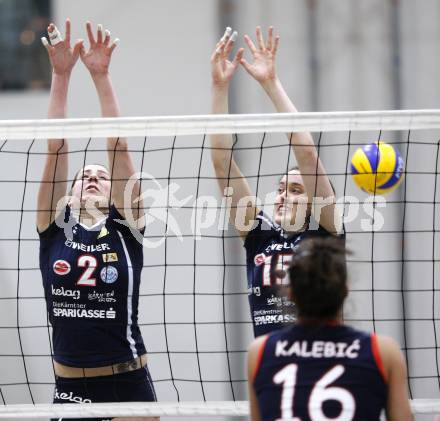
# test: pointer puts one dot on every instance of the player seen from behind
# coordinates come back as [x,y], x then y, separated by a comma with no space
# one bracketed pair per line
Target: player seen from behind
[320,369]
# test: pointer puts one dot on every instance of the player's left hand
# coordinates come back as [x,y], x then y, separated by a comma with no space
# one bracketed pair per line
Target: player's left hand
[263,66]
[97,58]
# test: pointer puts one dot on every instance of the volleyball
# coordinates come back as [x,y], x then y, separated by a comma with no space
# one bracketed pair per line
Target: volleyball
[377,168]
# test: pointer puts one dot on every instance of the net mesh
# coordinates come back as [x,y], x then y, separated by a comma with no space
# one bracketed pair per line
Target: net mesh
[193,309]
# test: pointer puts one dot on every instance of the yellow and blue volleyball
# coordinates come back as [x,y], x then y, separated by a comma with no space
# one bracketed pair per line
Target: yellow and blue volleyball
[377,168]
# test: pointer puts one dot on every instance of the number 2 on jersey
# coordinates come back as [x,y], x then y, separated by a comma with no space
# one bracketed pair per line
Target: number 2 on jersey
[90,263]
[321,392]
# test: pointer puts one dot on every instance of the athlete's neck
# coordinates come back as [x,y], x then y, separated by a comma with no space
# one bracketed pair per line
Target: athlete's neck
[89,219]
[290,233]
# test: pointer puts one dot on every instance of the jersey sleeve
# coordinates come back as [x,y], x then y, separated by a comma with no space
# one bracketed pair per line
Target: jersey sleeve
[60,223]
[259,359]
[263,228]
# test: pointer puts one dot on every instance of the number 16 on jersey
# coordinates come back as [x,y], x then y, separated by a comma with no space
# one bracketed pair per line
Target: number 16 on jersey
[320,393]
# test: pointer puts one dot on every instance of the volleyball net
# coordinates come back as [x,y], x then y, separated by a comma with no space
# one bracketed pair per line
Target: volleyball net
[193,307]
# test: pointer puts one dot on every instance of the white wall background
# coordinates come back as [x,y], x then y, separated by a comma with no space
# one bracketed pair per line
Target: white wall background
[161,67]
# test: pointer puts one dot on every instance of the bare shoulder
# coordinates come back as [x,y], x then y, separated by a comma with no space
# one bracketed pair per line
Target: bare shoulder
[397,406]
[387,345]
[257,343]
[390,352]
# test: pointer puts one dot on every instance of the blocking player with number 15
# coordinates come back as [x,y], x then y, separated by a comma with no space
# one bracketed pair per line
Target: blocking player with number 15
[271,242]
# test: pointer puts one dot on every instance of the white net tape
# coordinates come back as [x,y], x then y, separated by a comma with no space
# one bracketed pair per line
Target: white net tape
[127,409]
[170,409]
[208,124]
[204,125]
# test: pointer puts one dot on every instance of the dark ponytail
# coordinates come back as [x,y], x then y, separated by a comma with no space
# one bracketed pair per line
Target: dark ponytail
[318,277]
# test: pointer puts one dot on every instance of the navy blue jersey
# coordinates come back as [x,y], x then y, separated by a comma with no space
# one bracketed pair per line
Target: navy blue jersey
[91,283]
[320,373]
[269,251]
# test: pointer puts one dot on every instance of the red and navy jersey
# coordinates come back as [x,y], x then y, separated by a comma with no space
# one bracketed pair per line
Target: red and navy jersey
[91,278]
[320,373]
[269,251]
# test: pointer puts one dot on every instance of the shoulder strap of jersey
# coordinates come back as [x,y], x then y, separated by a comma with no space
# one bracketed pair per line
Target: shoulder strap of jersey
[259,358]
[63,222]
[377,357]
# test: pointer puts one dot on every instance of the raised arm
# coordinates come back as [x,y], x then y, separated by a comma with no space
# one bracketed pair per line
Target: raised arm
[315,179]
[226,169]
[54,181]
[97,60]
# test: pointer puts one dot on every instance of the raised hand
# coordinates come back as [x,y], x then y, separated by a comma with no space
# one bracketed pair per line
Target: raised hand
[97,58]
[263,66]
[61,55]
[222,69]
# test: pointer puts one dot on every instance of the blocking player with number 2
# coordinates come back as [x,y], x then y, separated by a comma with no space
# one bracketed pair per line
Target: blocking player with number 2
[270,243]
[319,369]
[91,252]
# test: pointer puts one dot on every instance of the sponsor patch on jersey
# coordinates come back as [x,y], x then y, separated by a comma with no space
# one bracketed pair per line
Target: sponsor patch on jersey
[110,257]
[274,300]
[103,232]
[110,314]
[109,274]
[80,313]
[259,259]
[274,319]
[102,297]
[73,293]
[61,267]
[89,248]
[254,290]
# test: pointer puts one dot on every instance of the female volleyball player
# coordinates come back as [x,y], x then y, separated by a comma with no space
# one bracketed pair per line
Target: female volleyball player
[320,369]
[91,271]
[269,243]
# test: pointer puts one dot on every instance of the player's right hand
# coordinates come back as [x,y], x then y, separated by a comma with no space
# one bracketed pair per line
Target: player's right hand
[262,67]
[61,55]
[222,68]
